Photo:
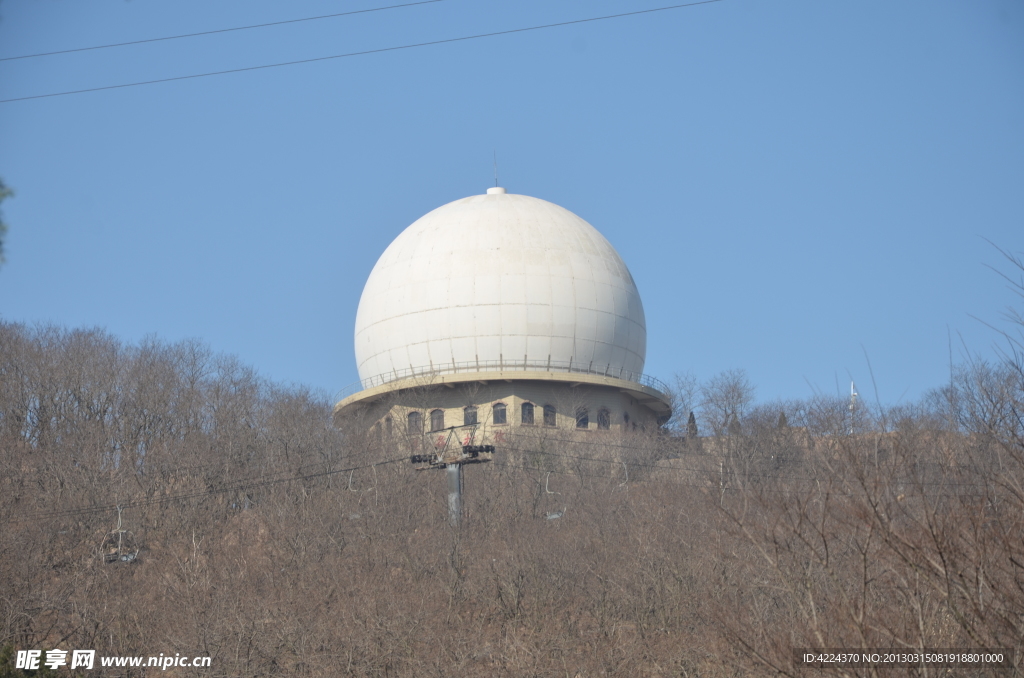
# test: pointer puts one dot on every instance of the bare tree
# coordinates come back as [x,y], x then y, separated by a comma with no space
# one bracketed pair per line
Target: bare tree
[724,397]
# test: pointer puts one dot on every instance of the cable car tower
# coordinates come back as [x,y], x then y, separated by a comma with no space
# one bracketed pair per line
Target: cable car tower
[453,458]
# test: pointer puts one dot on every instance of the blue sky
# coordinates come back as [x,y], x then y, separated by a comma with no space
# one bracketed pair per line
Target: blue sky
[792,183]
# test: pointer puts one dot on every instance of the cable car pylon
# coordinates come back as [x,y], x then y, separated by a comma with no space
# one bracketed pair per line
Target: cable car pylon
[452,458]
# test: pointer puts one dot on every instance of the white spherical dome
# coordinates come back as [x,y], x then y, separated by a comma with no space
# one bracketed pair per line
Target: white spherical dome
[500,279]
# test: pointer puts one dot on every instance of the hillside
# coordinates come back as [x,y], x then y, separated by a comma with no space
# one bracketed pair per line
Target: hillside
[278,545]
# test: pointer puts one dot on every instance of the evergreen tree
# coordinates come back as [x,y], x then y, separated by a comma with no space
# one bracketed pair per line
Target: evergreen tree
[783,422]
[691,426]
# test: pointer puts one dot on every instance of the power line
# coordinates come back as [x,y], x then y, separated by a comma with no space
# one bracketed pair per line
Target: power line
[362,53]
[221,30]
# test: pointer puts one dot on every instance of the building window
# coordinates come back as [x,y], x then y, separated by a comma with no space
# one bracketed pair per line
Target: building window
[604,420]
[469,416]
[415,423]
[389,426]
[549,415]
[528,413]
[437,420]
[499,413]
[582,418]
[625,419]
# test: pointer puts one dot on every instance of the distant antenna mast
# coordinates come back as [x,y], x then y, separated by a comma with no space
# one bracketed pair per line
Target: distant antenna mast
[853,403]
[495,168]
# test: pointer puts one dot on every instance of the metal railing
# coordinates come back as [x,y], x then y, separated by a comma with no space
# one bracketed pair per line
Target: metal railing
[505,366]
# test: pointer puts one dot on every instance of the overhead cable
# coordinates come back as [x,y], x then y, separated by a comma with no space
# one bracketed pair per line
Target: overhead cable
[220,30]
[732,472]
[361,53]
[253,483]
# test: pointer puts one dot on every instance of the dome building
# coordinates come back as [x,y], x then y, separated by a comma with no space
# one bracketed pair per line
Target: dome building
[502,310]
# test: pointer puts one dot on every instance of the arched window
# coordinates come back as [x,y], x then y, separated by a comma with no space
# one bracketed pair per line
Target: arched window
[604,419]
[549,415]
[528,413]
[415,423]
[499,413]
[469,415]
[582,418]
[437,420]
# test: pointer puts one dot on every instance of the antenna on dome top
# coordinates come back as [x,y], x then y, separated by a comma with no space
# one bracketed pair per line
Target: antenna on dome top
[495,168]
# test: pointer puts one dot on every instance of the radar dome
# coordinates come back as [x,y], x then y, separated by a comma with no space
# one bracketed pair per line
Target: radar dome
[500,280]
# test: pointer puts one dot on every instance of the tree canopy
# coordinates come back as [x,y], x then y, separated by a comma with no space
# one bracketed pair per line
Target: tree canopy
[5,193]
